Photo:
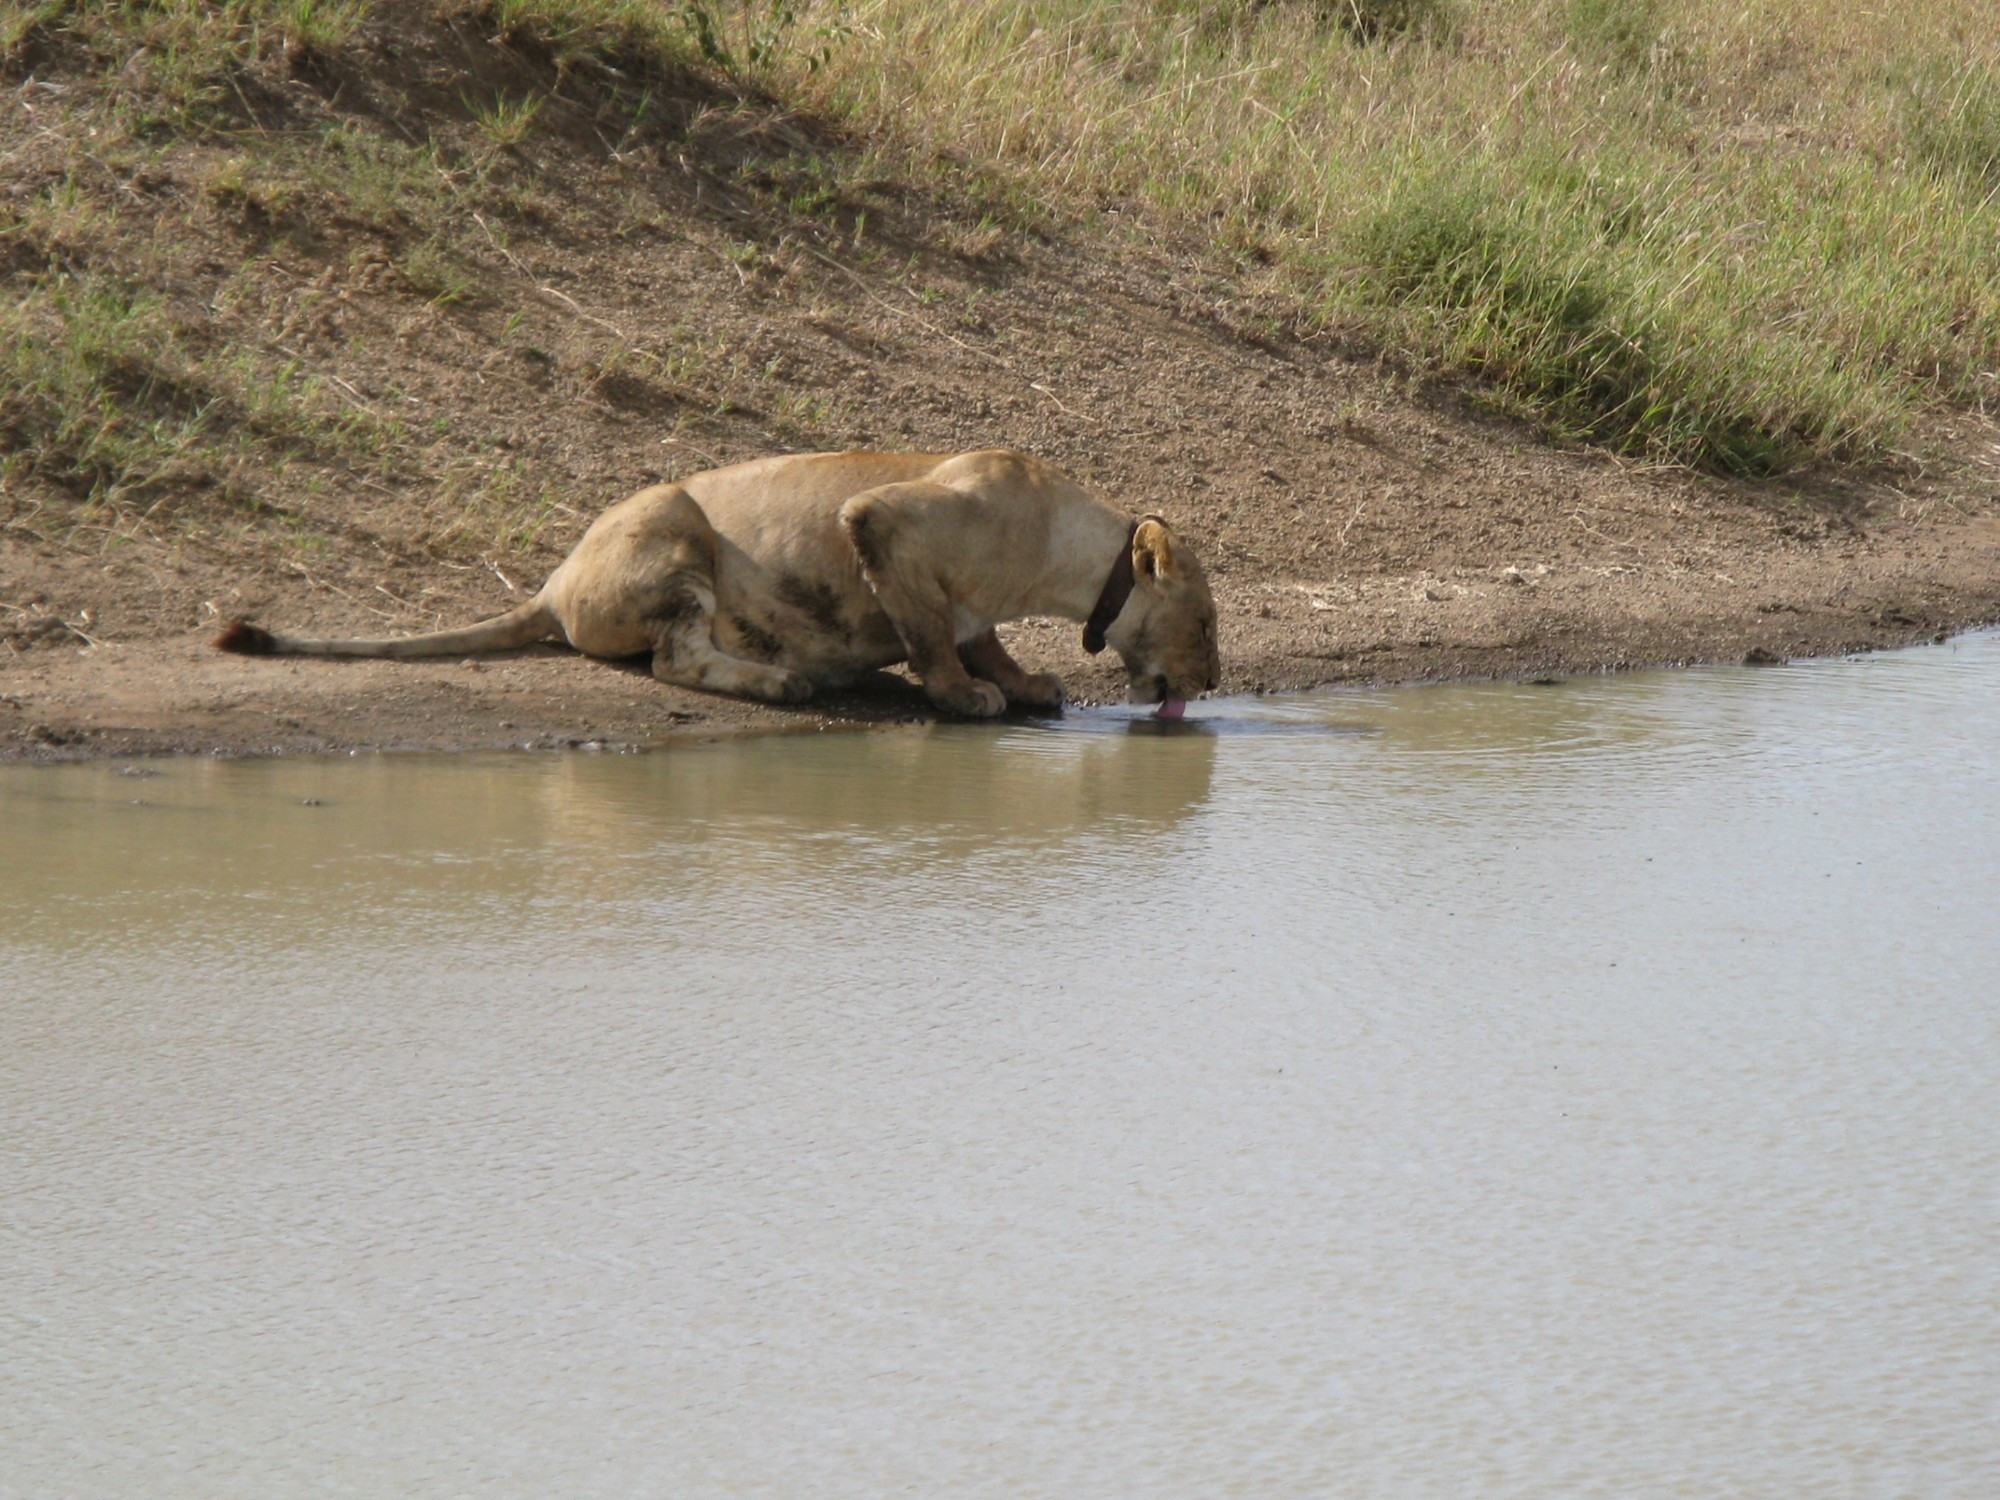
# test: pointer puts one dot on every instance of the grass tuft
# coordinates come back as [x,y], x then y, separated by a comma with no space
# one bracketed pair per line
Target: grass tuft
[1951,116]
[505,122]
[1386,20]
[1626,31]
[1553,324]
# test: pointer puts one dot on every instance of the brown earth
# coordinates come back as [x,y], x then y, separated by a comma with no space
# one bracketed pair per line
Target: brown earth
[1359,525]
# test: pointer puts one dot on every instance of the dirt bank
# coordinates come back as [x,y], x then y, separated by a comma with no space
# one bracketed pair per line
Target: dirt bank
[1457,554]
[1359,525]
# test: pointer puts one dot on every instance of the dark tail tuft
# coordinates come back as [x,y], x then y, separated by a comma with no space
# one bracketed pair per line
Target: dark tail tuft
[246,639]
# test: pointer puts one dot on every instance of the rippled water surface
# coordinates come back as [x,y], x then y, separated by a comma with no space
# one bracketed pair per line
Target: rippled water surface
[1493,1090]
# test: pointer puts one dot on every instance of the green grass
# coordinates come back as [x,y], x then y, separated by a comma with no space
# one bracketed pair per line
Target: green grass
[106,399]
[173,63]
[96,399]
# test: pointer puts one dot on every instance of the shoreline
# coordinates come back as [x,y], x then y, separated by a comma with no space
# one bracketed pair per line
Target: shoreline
[179,696]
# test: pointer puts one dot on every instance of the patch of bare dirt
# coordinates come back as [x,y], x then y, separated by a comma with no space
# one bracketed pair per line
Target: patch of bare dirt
[661,304]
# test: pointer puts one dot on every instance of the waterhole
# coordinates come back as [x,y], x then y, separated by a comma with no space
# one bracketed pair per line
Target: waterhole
[1493,1090]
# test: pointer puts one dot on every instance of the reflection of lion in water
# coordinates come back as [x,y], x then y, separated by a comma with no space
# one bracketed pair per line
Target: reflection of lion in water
[773,578]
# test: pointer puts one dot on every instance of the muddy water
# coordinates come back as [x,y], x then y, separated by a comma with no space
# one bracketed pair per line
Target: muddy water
[1581,1090]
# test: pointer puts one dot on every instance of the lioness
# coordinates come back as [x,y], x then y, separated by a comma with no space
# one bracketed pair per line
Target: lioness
[775,578]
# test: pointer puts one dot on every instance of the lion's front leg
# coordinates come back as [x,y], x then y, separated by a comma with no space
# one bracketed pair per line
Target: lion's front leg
[878,524]
[944,676]
[984,656]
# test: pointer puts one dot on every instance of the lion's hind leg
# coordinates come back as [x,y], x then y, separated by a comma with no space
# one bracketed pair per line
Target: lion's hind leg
[653,586]
[685,653]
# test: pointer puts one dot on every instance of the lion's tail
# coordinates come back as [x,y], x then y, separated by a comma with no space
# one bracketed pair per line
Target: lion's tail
[533,621]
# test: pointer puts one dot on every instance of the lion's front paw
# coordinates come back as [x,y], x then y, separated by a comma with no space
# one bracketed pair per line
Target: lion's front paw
[1040,690]
[974,698]
[788,687]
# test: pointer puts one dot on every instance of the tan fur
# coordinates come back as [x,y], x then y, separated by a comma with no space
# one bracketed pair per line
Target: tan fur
[773,578]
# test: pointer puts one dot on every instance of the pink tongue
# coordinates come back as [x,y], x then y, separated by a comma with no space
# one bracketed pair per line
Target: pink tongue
[1170,708]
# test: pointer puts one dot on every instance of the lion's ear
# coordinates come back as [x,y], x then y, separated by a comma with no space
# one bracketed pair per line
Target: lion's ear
[1155,553]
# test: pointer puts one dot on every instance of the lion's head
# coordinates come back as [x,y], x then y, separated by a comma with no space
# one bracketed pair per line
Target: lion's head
[1166,631]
